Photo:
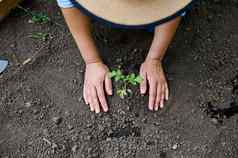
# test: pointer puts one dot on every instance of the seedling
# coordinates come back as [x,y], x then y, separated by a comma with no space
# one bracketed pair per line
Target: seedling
[36,17]
[125,80]
[39,17]
[39,35]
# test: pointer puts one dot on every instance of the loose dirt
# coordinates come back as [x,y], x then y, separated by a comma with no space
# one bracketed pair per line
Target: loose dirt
[43,115]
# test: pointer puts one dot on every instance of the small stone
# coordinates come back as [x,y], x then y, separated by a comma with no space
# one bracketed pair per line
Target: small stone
[88,137]
[20,112]
[144,120]
[42,116]
[135,50]
[108,139]
[214,121]
[90,150]
[75,148]
[28,104]
[54,146]
[75,138]
[175,146]
[30,21]
[70,127]
[57,120]
[67,113]
[35,111]
[12,45]
[118,60]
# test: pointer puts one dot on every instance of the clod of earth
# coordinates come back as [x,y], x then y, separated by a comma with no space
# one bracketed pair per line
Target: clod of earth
[57,120]
[70,127]
[221,113]
[75,148]
[28,104]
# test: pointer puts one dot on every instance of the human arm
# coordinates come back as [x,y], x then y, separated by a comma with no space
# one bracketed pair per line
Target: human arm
[152,71]
[96,73]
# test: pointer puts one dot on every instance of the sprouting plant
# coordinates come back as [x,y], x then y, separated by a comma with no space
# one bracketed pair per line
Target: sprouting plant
[39,17]
[36,17]
[39,35]
[131,78]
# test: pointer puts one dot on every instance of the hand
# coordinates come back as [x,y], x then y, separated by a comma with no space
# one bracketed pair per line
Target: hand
[95,81]
[152,72]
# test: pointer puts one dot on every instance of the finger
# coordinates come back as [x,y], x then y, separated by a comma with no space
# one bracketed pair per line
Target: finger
[157,102]
[89,99]
[101,97]
[162,97]
[152,94]
[108,85]
[143,84]
[94,100]
[166,92]
[85,97]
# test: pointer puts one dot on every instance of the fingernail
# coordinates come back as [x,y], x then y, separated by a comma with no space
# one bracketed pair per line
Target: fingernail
[106,110]
[156,108]
[142,91]
[161,105]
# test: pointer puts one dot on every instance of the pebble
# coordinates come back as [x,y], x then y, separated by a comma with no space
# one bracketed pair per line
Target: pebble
[88,137]
[20,111]
[54,146]
[28,104]
[75,138]
[30,21]
[214,121]
[108,139]
[57,120]
[175,146]
[70,127]
[74,148]
[35,111]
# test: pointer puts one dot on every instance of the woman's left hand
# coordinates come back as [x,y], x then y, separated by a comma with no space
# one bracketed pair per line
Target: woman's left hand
[152,73]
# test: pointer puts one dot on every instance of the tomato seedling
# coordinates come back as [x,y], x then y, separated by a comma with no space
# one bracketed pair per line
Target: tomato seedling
[125,80]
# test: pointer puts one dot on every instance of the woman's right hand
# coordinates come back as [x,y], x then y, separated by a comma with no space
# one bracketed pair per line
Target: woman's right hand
[96,83]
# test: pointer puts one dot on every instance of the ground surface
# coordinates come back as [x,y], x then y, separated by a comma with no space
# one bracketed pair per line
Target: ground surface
[42,113]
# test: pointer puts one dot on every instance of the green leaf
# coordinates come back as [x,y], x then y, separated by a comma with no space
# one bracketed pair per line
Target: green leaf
[122,93]
[40,18]
[138,79]
[112,74]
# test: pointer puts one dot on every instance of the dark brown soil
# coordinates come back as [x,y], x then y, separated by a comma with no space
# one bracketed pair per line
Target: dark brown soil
[42,114]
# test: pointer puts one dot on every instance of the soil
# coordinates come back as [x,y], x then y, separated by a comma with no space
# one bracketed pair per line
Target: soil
[43,115]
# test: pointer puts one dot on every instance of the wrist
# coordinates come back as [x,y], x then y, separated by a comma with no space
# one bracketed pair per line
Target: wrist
[94,61]
[151,58]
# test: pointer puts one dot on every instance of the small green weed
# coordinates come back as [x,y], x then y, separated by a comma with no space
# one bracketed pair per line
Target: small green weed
[130,79]
[39,17]
[39,35]
[36,17]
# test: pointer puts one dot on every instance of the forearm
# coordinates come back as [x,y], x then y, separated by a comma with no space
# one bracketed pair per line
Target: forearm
[80,28]
[163,35]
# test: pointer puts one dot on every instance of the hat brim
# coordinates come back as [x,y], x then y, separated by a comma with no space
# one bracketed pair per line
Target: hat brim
[130,21]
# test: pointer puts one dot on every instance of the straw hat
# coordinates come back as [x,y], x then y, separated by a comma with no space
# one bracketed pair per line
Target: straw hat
[135,12]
